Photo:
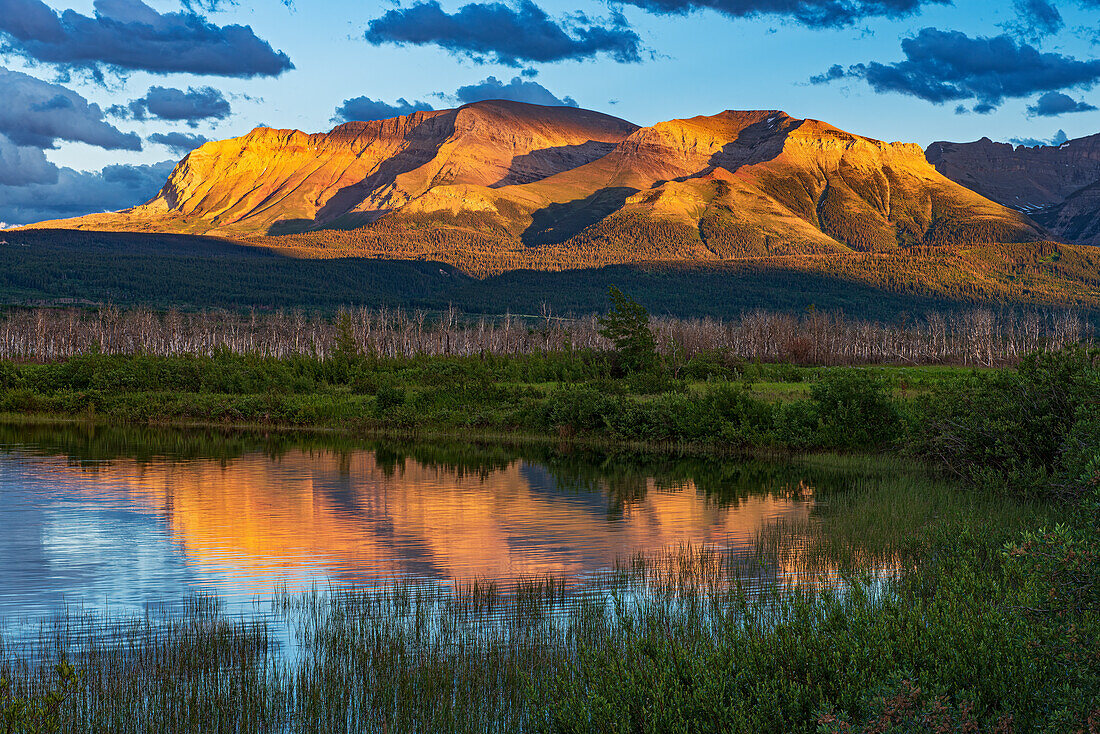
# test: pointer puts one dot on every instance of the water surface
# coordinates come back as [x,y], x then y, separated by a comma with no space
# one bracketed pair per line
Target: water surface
[119,520]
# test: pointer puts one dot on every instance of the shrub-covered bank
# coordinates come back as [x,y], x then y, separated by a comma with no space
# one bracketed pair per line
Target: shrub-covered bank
[1025,426]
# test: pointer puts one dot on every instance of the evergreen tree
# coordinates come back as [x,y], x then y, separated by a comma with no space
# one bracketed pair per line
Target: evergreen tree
[627,326]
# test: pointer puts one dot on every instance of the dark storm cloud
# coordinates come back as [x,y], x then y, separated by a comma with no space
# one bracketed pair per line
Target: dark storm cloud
[811,13]
[21,165]
[1053,104]
[179,143]
[130,35]
[37,113]
[76,193]
[948,66]
[168,103]
[505,34]
[516,90]
[365,109]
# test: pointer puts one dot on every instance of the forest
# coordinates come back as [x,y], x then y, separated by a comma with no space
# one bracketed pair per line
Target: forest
[43,267]
[977,337]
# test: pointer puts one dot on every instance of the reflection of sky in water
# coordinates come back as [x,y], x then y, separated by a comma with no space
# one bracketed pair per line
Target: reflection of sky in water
[124,534]
[61,547]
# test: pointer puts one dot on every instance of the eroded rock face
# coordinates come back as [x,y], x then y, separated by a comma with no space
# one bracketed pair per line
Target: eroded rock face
[735,184]
[1051,184]
[273,181]
[755,183]
[1077,219]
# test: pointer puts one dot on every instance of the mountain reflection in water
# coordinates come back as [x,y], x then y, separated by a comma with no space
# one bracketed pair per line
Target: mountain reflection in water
[103,524]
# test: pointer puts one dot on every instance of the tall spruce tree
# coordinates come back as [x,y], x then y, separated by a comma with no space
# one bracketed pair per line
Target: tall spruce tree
[627,326]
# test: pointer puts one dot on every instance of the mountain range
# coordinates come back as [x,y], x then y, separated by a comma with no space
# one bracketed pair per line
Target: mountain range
[501,187]
[587,187]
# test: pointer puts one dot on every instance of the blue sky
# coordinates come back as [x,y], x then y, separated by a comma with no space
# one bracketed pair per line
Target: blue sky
[644,61]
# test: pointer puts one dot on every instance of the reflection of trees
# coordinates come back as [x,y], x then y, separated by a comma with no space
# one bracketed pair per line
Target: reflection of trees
[625,478]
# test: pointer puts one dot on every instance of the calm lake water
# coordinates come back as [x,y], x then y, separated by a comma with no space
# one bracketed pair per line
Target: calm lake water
[120,520]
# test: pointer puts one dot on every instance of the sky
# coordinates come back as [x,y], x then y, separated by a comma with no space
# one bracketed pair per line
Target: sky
[99,98]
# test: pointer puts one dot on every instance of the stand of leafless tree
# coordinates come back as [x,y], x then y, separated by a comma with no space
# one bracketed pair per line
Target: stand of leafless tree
[978,337]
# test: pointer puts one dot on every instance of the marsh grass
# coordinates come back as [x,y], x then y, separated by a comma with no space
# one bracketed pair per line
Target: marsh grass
[740,638]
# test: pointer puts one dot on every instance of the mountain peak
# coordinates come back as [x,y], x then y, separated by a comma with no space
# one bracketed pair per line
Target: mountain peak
[736,183]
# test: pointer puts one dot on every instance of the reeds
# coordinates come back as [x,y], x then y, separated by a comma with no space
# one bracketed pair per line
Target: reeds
[485,655]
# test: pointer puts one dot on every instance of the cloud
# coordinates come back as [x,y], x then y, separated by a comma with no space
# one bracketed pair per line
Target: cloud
[949,66]
[1035,19]
[832,74]
[30,20]
[130,35]
[365,109]
[168,103]
[811,13]
[179,143]
[37,113]
[21,165]
[516,90]
[1059,138]
[75,193]
[507,35]
[207,6]
[1053,104]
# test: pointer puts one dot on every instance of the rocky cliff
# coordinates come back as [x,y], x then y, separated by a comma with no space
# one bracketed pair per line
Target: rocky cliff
[1054,185]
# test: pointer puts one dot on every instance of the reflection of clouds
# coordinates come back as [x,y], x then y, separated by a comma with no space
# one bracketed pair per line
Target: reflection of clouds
[61,546]
[134,531]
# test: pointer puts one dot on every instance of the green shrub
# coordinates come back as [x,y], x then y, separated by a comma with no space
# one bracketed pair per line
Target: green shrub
[652,383]
[706,366]
[37,714]
[855,409]
[1016,430]
[1079,464]
[389,397]
[798,425]
[738,417]
[578,409]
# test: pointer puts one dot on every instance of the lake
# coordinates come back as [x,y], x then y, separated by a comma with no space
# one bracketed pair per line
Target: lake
[120,520]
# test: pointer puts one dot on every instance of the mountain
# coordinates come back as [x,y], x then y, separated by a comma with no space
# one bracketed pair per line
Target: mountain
[1057,186]
[497,185]
[277,180]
